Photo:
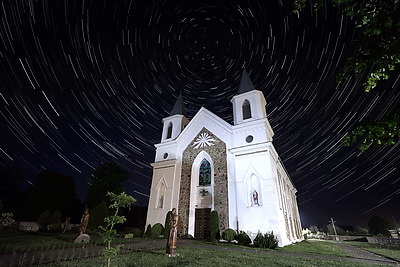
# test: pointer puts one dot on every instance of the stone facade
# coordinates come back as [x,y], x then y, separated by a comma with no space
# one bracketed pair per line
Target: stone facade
[217,151]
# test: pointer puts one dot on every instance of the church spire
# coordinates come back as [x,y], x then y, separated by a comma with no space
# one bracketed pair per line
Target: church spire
[179,107]
[245,83]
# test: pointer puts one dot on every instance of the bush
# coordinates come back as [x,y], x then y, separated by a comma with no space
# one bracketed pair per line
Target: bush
[157,230]
[6,220]
[137,231]
[268,240]
[55,222]
[214,225]
[44,219]
[167,223]
[148,231]
[97,215]
[229,235]
[243,239]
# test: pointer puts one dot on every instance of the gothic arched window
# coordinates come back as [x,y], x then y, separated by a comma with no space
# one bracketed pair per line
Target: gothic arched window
[246,110]
[169,130]
[205,173]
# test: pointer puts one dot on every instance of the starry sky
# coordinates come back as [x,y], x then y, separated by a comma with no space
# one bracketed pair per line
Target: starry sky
[88,82]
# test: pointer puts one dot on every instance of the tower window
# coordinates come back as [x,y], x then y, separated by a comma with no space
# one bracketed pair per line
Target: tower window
[169,130]
[205,173]
[246,109]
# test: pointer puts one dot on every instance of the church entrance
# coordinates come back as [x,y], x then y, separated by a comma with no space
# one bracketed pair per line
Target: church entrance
[202,223]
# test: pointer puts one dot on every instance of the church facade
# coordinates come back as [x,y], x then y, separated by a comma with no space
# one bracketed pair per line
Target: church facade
[208,164]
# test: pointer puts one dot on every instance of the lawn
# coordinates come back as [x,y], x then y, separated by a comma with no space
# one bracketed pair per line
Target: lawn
[62,246]
[324,247]
[208,257]
[391,252]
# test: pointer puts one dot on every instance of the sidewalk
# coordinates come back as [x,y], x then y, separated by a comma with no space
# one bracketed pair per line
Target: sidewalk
[35,258]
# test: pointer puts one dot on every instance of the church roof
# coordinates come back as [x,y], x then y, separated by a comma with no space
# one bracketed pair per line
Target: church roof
[245,83]
[179,107]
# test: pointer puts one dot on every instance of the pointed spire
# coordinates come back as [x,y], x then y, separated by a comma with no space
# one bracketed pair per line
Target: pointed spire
[245,83]
[179,107]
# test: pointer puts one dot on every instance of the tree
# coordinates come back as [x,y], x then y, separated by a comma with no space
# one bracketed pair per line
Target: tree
[10,193]
[378,225]
[375,53]
[50,191]
[106,178]
[313,229]
[119,201]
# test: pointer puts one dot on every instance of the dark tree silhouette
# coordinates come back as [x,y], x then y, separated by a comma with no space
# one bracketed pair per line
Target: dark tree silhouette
[51,191]
[108,177]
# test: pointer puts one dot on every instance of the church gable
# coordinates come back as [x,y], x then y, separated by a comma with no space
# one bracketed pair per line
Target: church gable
[205,155]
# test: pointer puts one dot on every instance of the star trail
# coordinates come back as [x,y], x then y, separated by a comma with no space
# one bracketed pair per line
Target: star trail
[88,82]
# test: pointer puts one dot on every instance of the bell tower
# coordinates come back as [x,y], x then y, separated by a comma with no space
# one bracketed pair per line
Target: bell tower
[249,103]
[175,122]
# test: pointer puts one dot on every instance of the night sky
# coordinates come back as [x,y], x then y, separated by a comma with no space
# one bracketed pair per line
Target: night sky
[88,82]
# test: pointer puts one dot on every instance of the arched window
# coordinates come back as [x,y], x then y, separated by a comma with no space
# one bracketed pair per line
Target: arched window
[169,130]
[246,110]
[205,173]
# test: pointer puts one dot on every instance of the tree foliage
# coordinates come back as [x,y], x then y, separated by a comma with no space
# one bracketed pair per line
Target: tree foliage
[10,193]
[106,178]
[378,225]
[376,53]
[50,191]
[381,133]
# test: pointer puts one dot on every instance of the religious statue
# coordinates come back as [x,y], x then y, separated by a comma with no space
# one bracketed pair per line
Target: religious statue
[84,222]
[66,224]
[255,197]
[173,235]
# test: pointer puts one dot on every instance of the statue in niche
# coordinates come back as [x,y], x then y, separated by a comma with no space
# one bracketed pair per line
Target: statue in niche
[173,235]
[161,202]
[255,198]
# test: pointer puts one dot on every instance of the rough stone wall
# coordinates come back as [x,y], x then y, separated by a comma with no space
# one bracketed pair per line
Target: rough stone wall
[218,154]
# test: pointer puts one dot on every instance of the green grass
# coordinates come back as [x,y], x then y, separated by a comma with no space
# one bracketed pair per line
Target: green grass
[391,252]
[13,240]
[208,257]
[324,247]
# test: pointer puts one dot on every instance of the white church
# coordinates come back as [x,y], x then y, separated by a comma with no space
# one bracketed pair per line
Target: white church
[207,164]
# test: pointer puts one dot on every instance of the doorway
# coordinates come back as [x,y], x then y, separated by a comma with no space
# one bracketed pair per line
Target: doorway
[202,223]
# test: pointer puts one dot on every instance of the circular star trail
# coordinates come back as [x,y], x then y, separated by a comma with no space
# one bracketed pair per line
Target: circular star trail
[88,82]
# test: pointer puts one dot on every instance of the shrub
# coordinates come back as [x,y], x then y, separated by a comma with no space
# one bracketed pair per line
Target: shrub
[214,225]
[148,231]
[157,230]
[259,240]
[128,235]
[44,219]
[167,222]
[268,240]
[137,231]
[243,239]
[55,222]
[97,215]
[229,235]
[6,220]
